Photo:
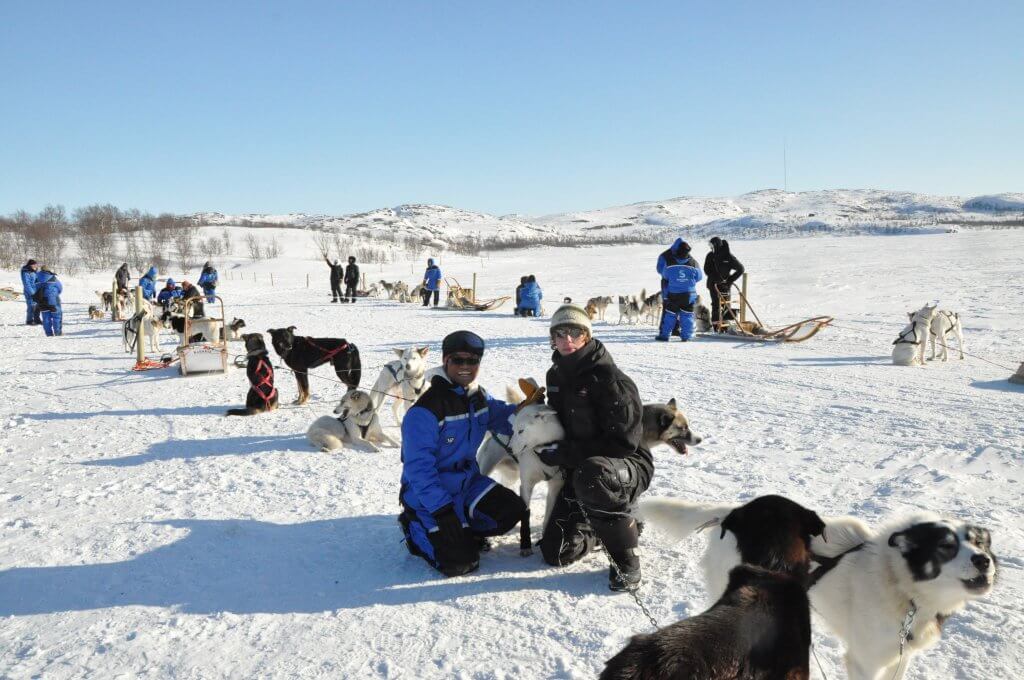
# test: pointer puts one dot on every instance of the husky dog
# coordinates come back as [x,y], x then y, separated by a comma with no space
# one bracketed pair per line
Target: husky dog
[630,309]
[702,316]
[908,348]
[652,308]
[591,310]
[95,312]
[301,353]
[398,290]
[760,627]
[149,323]
[262,395]
[231,331]
[107,298]
[943,323]
[356,423]
[200,330]
[372,291]
[404,379]
[386,288]
[600,305]
[537,424]
[910,576]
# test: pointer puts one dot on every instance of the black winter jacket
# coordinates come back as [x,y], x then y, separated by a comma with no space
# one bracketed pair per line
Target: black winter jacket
[599,407]
[721,266]
[336,272]
[352,274]
[122,276]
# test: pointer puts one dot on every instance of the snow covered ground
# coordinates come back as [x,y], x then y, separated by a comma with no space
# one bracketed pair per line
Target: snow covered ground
[145,535]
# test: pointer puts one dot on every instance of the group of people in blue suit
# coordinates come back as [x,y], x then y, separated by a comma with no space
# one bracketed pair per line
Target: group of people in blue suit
[42,298]
[528,297]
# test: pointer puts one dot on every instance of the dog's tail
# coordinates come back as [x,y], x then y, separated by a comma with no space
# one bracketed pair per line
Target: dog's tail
[841,534]
[679,518]
[513,395]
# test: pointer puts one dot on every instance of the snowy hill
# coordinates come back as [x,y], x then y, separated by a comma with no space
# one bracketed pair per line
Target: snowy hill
[760,214]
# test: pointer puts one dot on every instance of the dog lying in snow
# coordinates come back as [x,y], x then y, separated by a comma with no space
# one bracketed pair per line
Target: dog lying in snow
[908,348]
[943,323]
[95,313]
[262,395]
[760,627]
[356,423]
[536,424]
[403,379]
[910,575]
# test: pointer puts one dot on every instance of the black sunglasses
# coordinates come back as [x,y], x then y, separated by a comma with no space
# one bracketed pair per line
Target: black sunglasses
[563,333]
[464,361]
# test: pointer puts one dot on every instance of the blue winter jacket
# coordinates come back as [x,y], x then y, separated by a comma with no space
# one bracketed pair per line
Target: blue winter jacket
[679,272]
[440,437]
[531,295]
[208,279]
[29,279]
[432,277]
[165,295]
[51,288]
[148,284]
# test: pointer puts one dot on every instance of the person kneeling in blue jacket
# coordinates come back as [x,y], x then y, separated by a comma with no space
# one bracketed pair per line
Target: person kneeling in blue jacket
[449,507]
[679,276]
[48,290]
[530,297]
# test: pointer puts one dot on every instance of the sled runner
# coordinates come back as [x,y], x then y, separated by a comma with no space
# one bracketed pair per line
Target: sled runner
[206,356]
[9,294]
[465,298]
[734,322]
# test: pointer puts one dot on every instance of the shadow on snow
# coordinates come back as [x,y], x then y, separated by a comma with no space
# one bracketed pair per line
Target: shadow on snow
[188,449]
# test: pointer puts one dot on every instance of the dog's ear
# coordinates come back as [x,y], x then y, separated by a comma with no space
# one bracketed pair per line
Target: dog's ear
[732,521]
[665,420]
[272,330]
[423,351]
[528,387]
[901,541]
[671,403]
[397,351]
[813,524]
[292,328]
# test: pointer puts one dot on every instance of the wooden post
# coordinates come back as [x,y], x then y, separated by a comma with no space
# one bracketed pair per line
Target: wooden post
[140,338]
[743,302]
[1018,377]
[364,280]
[474,288]
[307,279]
[114,313]
[254,277]
[271,279]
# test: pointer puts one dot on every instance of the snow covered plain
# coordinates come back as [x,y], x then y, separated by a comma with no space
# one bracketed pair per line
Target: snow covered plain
[145,535]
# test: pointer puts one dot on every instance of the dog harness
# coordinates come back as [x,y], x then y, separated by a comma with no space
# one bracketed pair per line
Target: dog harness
[327,354]
[902,340]
[265,387]
[827,565]
[415,390]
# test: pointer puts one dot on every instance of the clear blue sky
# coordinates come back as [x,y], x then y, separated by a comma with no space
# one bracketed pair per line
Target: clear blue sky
[532,107]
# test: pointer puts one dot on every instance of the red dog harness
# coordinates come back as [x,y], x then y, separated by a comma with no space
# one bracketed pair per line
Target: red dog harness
[265,387]
[328,354]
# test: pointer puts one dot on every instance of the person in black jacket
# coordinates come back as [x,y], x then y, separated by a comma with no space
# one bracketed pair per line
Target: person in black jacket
[351,279]
[337,273]
[722,270]
[190,292]
[605,463]
[121,276]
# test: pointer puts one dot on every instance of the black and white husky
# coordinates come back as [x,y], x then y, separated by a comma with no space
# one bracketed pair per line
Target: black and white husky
[885,592]
[403,379]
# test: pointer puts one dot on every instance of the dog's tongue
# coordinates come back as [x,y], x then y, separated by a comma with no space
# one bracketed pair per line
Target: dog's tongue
[679,445]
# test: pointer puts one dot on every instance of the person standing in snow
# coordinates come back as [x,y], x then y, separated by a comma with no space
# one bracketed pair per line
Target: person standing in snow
[449,507]
[679,276]
[208,281]
[148,284]
[337,275]
[530,297]
[29,283]
[604,462]
[47,295]
[431,282]
[121,277]
[723,270]
[351,279]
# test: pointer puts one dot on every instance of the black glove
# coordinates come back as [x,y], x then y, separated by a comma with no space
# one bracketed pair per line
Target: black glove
[449,526]
[555,454]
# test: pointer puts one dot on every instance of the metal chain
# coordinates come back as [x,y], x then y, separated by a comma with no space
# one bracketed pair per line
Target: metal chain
[618,572]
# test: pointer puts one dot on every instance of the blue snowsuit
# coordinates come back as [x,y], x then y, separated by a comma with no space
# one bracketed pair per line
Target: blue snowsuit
[432,277]
[679,276]
[167,294]
[148,284]
[29,279]
[440,437]
[530,297]
[208,282]
[52,314]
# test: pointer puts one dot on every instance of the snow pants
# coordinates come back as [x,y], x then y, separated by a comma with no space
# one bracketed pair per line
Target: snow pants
[426,296]
[31,311]
[678,308]
[350,292]
[210,291]
[607,488]
[486,509]
[52,322]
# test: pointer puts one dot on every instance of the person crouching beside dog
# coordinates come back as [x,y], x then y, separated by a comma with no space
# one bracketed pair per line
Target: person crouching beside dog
[449,507]
[190,292]
[605,463]
[168,293]
[530,297]
[47,296]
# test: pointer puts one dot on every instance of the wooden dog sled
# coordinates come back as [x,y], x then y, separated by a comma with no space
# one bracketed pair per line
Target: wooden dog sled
[465,298]
[735,324]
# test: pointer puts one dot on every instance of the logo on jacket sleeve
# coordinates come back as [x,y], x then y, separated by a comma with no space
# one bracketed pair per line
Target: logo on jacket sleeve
[449,440]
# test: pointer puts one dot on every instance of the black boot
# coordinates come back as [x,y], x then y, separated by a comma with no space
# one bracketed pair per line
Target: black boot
[624,574]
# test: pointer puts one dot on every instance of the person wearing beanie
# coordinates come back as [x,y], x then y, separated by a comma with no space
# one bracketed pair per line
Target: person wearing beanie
[337,274]
[605,463]
[431,282]
[351,279]
[679,276]
[29,278]
[169,292]
[448,507]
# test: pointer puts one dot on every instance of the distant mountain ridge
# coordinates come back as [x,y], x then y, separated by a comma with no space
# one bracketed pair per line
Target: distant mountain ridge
[760,214]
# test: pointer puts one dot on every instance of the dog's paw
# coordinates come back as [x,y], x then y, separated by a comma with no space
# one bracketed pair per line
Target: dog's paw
[525,552]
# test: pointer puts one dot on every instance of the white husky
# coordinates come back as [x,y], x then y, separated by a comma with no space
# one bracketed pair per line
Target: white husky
[403,379]
[908,348]
[885,593]
[943,323]
[356,422]
[535,424]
